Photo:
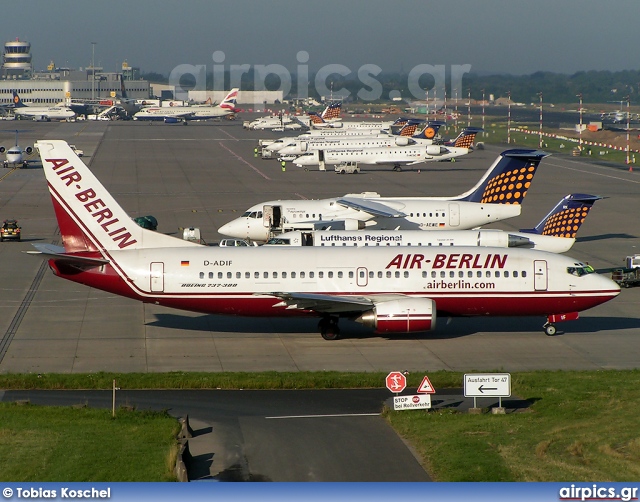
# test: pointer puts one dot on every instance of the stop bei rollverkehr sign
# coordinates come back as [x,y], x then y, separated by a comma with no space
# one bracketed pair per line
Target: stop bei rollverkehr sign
[396,381]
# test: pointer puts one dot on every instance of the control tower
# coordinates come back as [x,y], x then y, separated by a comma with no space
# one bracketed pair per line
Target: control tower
[16,61]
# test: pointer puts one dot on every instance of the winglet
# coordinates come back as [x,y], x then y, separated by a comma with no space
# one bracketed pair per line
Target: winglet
[508,179]
[565,219]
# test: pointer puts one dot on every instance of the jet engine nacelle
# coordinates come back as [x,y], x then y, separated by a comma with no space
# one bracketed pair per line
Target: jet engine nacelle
[436,150]
[2,149]
[405,315]
[29,150]
[498,239]
[402,141]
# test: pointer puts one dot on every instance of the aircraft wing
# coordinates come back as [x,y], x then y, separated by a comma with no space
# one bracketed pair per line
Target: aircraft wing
[331,304]
[371,207]
[49,251]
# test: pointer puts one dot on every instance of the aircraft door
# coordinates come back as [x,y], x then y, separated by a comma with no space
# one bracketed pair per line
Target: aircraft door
[362,277]
[271,216]
[157,277]
[303,146]
[540,275]
[454,215]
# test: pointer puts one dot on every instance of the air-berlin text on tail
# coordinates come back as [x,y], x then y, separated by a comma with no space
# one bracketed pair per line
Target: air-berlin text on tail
[96,207]
[451,260]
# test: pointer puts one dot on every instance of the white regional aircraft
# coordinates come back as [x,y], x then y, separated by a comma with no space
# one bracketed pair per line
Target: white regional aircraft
[298,147]
[175,113]
[394,155]
[497,196]
[556,233]
[394,290]
[15,155]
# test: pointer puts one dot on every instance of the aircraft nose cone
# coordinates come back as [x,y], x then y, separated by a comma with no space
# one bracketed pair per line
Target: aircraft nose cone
[233,229]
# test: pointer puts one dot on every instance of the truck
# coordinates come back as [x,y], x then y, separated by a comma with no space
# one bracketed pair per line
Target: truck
[77,151]
[630,275]
[347,168]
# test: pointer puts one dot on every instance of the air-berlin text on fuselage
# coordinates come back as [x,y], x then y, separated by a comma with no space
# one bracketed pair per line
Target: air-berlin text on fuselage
[96,207]
[452,260]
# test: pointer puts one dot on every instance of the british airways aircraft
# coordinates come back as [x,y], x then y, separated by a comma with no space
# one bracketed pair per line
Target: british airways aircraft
[497,196]
[393,290]
[226,107]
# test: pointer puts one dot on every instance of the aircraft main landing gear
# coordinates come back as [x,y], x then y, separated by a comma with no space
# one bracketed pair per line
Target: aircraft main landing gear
[329,328]
[549,329]
[397,168]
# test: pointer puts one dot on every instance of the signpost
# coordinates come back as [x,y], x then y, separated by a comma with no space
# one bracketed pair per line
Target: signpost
[417,402]
[396,382]
[487,385]
[426,387]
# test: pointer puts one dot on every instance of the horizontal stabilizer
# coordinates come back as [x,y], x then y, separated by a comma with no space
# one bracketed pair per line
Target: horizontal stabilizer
[49,251]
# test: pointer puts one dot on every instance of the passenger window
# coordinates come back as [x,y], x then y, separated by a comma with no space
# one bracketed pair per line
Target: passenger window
[397,274]
[406,274]
[229,275]
[265,275]
[293,275]
[433,274]
[488,273]
[460,273]
[469,273]
[506,273]
[256,275]
[452,273]
[478,273]
[330,275]
[320,275]
[238,275]
[210,275]
[201,275]
[219,275]
[515,273]
[284,275]
[371,275]
[247,275]
[497,273]
[311,275]
[388,274]
[524,273]
[301,275]
[442,274]
[424,274]
[340,274]
[275,275]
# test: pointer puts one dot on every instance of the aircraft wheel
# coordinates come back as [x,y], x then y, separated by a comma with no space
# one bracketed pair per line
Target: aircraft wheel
[549,329]
[329,329]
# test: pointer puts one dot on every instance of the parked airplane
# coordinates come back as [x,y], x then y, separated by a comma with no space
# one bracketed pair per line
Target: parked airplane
[226,107]
[57,112]
[298,147]
[396,156]
[391,290]
[15,155]
[497,196]
[555,233]
[278,122]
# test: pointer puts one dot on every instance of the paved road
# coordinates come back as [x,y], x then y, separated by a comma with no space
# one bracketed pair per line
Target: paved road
[204,175]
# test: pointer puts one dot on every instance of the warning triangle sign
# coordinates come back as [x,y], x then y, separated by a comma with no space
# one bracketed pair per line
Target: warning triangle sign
[426,387]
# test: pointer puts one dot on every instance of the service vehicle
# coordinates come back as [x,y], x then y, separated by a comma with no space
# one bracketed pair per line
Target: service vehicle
[10,230]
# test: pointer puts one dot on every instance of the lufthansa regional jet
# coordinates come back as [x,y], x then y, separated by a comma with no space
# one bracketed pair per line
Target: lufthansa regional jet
[497,196]
[393,290]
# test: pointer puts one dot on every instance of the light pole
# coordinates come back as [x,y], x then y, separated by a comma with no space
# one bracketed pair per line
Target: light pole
[540,143]
[469,107]
[93,69]
[580,126]
[508,117]
[455,117]
[482,112]
[628,116]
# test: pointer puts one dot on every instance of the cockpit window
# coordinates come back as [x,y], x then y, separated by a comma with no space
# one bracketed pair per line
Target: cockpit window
[246,214]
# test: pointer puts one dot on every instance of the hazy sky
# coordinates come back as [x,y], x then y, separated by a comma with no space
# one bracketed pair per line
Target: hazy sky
[494,36]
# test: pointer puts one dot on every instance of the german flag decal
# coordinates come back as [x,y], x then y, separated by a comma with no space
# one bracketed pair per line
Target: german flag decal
[184,263]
